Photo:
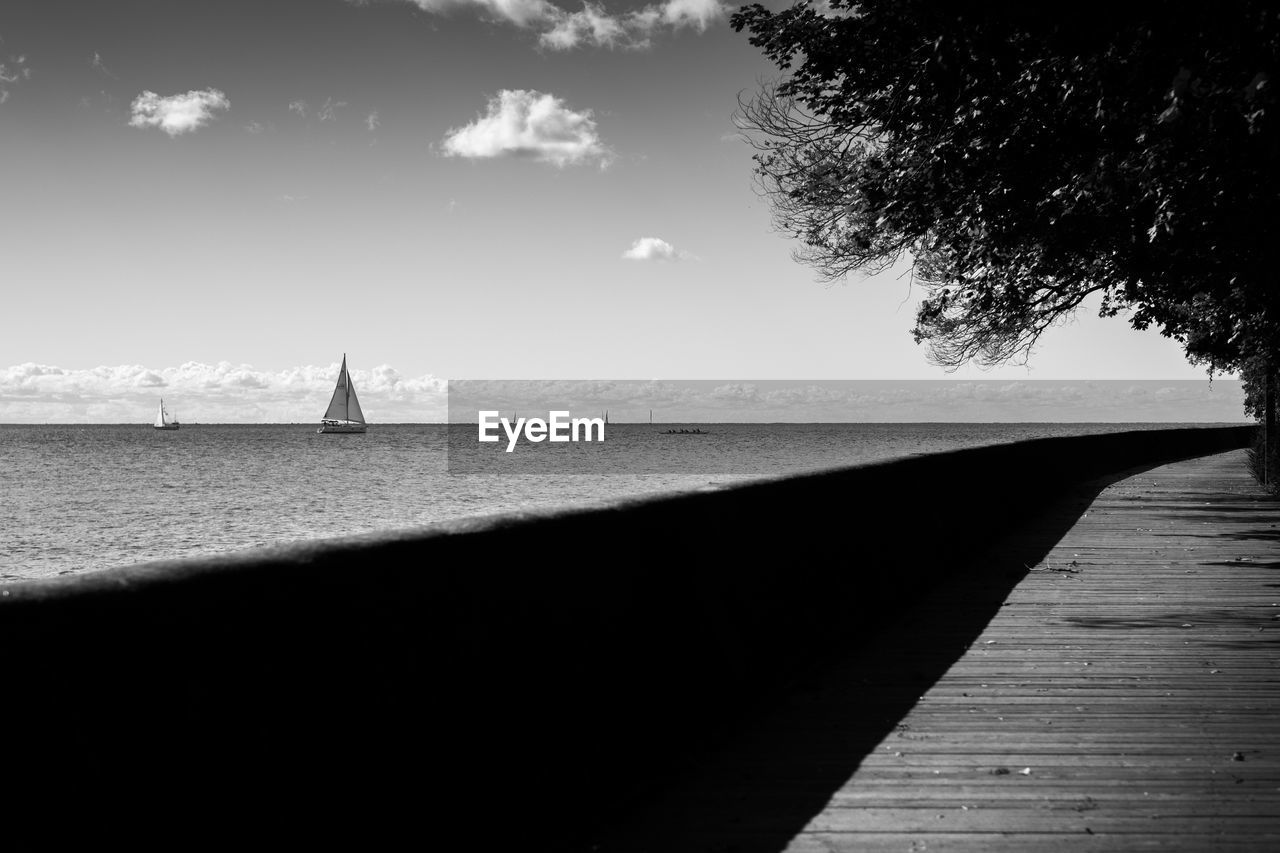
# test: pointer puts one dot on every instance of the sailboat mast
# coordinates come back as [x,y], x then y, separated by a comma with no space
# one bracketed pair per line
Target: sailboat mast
[346,382]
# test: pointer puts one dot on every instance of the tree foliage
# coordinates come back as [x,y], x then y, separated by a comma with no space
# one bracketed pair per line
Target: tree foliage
[1027,156]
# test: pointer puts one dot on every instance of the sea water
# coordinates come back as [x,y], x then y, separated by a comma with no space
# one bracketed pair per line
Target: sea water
[82,498]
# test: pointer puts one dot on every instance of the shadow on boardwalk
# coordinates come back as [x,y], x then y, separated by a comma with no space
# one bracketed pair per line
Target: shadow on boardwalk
[1125,695]
[779,769]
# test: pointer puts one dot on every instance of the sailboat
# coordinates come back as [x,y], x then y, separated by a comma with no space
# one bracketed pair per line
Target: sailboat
[343,414]
[163,421]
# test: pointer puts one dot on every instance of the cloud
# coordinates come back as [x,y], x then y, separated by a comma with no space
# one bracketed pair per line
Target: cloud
[100,66]
[654,249]
[15,70]
[593,25]
[696,14]
[371,121]
[596,27]
[209,393]
[177,114]
[328,111]
[525,123]
[522,13]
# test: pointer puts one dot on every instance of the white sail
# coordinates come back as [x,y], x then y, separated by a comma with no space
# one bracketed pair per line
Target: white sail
[344,406]
[353,405]
[337,410]
[160,419]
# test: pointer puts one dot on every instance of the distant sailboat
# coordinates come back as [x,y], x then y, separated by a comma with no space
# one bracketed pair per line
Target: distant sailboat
[343,414]
[163,421]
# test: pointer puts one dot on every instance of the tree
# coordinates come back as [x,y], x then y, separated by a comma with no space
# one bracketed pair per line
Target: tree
[1260,385]
[1025,157]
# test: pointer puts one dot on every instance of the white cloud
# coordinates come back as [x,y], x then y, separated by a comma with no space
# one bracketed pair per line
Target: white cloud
[210,393]
[100,66]
[522,13]
[328,112]
[371,121]
[591,25]
[594,26]
[525,123]
[15,70]
[654,249]
[561,29]
[697,14]
[177,114]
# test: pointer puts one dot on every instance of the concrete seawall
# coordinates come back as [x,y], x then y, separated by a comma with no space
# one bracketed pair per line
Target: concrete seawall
[488,683]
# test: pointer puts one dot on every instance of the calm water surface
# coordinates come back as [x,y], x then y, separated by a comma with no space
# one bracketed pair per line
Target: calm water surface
[81,498]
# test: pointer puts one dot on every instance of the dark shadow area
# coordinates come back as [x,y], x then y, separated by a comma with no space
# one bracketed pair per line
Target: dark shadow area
[1186,620]
[517,682]
[1257,619]
[780,768]
[1197,513]
[1236,563]
[1272,533]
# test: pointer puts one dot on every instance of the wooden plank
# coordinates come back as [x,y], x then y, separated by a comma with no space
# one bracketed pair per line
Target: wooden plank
[1084,842]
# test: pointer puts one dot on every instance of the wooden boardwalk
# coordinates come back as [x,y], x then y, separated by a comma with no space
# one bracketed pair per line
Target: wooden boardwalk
[1122,695]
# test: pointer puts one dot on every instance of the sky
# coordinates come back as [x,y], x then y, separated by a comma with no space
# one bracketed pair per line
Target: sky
[201,199]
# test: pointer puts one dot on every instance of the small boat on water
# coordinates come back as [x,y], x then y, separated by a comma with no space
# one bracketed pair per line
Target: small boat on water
[343,414]
[163,420]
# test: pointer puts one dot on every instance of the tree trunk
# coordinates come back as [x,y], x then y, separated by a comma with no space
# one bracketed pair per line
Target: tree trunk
[1268,424]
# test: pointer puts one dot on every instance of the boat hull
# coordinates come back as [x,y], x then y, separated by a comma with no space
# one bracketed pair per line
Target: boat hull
[338,428]
[166,427]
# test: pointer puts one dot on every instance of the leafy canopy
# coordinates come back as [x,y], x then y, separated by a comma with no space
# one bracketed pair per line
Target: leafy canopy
[1027,156]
